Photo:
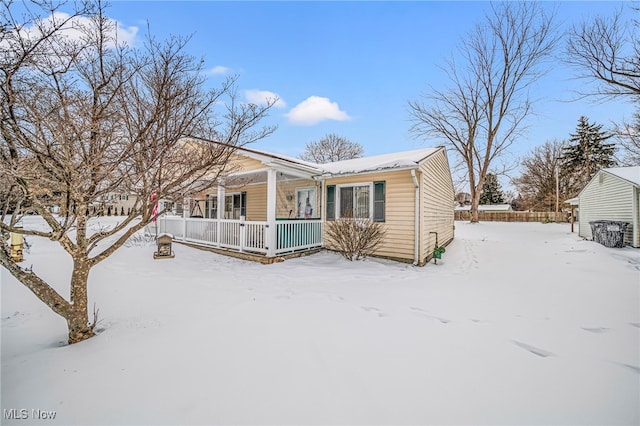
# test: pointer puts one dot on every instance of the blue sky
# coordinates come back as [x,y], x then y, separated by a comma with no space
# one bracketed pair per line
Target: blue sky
[351,67]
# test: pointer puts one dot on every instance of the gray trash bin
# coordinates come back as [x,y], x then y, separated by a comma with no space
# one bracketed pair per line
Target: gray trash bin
[609,233]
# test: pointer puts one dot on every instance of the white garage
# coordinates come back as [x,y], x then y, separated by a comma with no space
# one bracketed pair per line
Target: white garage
[612,194]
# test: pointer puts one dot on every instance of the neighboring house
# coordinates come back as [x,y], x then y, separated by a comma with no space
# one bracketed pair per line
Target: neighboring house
[275,204]
[612,194]
[463,198]
[116,203]
[488,208]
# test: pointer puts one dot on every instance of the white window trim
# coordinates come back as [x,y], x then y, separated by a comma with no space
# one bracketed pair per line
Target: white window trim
[305,188]
[353,185]
[226,194]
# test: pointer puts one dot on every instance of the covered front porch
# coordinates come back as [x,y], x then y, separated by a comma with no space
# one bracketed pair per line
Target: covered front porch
[245,236]
[268,206]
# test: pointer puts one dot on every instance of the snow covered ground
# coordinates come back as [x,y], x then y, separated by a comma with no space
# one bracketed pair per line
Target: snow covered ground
[521,323]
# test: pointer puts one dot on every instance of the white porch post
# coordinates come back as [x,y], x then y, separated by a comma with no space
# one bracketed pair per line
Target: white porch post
[271,212]
[185,215]
[219,214]
[323,210]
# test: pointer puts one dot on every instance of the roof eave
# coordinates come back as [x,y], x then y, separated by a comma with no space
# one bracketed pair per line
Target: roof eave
[368,172]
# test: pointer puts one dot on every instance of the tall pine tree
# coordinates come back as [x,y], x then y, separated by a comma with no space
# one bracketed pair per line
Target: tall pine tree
[586,154]
[491,190]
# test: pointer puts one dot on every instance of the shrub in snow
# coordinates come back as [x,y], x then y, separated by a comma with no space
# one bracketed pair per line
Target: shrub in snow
[140,240]
[354,238]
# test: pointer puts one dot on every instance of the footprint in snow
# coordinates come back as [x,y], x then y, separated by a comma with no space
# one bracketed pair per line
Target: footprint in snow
[424,313]
[374,310]
[596,329]
[536,351]
[629,367]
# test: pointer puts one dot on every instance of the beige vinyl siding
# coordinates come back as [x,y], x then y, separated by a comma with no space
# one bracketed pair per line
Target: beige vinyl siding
[437,199]
[256,201]
[607,197]
[241,163]
[399,210]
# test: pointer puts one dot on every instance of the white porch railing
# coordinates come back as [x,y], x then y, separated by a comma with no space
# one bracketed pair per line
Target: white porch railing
[296,235]
[291,235]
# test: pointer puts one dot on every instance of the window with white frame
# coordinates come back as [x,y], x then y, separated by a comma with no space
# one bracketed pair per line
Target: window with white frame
[359,201]
[354,201]
[234,205]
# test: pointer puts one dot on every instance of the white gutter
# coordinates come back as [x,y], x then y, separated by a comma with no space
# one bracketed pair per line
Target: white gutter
[328,175]
[416,215]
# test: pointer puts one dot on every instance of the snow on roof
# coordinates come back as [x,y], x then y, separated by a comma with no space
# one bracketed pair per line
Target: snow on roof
[485,208]
[632,174]
[378,162]
[573,201]
[393,160]
[281,157]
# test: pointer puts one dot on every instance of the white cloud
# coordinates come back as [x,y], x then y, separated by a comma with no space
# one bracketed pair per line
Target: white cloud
[261,97]
[121,32]
[315,109]
[219,70]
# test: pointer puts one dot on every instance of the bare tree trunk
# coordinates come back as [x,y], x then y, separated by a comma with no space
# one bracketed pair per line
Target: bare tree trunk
[78,318]
[475,202]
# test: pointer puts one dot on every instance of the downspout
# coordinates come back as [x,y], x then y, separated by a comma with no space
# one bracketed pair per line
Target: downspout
[416,218]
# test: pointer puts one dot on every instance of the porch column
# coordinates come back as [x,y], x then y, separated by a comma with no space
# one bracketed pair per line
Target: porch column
[271,213]
[219,214]
[185,214]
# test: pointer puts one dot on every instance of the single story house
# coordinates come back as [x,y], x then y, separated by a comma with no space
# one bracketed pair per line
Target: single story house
[612,194]
[273,204]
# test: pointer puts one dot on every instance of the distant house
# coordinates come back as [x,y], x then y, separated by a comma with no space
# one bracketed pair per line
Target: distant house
[463,198]
[115,203]
[487,208]
[612,194]
[272,204]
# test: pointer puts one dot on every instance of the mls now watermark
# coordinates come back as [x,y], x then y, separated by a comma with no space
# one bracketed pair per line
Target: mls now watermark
[24,414]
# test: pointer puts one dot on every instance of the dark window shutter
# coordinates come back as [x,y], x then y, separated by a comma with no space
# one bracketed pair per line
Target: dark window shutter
[378,201]
[243,204]
[331,202]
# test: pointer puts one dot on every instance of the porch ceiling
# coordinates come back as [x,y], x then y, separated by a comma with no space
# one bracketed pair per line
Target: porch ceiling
[259,176]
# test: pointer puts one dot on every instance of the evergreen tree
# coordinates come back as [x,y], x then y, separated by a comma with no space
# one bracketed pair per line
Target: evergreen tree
[491,190]
[586,154]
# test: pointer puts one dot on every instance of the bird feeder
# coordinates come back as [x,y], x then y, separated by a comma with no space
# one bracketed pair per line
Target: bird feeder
[17,245]
[164,247]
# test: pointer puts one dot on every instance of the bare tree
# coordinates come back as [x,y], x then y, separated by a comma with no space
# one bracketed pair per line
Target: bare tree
[627,136]
[331,148]
[482,112]
[606,50]
[84,116]
[542,183]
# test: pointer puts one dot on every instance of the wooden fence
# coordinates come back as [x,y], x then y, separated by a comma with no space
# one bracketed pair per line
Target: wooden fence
[515,216]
